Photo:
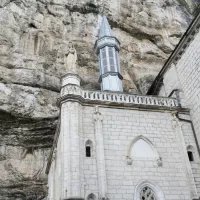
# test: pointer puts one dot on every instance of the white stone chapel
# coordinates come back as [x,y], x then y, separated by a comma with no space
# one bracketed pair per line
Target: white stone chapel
[112,145]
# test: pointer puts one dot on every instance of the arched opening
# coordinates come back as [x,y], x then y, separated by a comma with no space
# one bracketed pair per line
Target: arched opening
[190,152]
[142,148]
[88,148]
[91,197]
[147,190]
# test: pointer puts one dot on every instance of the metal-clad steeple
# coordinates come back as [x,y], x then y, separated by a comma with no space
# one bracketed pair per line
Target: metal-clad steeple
[107,49]
[105,29]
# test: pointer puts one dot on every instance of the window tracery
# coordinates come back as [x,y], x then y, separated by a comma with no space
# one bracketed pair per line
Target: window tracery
[147,194]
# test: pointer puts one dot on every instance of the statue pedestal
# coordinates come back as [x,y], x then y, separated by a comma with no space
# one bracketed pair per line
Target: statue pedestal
[70,78]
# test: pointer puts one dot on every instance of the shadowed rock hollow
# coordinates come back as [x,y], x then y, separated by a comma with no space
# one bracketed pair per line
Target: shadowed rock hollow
[33,35]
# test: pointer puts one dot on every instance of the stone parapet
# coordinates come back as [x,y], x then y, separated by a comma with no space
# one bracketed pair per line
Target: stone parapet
[71,91]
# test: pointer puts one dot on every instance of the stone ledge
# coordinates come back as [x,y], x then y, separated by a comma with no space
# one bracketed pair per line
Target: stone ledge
[76,93]
[83,102]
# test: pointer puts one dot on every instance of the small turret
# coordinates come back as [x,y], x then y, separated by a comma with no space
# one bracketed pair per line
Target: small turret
[107,48]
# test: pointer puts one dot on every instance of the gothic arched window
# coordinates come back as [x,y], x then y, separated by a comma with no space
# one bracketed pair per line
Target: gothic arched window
[142,148]
[147,190]
[88,148]
[147,194]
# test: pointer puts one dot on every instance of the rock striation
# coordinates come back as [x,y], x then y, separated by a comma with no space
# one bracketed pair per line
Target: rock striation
[33,36]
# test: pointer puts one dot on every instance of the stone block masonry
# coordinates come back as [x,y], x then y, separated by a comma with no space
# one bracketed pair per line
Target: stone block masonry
[120,127]
[136,147]
[185,76]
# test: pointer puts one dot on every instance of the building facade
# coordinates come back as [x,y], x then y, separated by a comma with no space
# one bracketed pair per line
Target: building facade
[114,145]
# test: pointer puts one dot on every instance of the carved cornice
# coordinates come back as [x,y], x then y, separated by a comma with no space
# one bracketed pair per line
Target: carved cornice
[111,74]
[76,93]
[110,41]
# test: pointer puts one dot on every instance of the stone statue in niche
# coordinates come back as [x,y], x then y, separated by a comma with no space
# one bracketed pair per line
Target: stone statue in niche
[70,58]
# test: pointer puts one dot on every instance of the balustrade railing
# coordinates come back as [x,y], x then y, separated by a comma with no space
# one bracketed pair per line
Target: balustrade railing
[119,97]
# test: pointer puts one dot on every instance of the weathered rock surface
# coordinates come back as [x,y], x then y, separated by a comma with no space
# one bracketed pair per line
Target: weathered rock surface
[32,36]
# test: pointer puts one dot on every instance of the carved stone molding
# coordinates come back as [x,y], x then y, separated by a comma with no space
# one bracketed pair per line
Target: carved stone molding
[97,114]
[129,161]
[108,98]
[159,162]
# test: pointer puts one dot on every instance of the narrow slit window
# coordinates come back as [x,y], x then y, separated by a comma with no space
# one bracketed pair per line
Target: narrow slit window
[111,57]
[117,60]
[190,156]
[104,60]
[88,151]
[88,148]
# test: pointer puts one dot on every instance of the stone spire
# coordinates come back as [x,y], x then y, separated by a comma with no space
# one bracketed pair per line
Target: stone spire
[105,29]
[107,49]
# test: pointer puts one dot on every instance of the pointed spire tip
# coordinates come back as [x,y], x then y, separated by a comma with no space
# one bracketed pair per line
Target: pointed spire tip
[105,29]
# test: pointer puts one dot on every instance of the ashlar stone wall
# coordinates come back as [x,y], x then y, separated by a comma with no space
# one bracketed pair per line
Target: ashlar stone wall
[120,128]
[185,75]
[168,173]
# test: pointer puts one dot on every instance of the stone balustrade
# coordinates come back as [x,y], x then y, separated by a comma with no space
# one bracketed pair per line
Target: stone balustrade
[122,98]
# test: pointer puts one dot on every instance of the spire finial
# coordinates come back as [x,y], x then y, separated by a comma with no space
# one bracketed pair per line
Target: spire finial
[105,29]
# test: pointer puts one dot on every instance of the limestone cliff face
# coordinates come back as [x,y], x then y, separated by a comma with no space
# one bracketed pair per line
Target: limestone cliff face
[33,34]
